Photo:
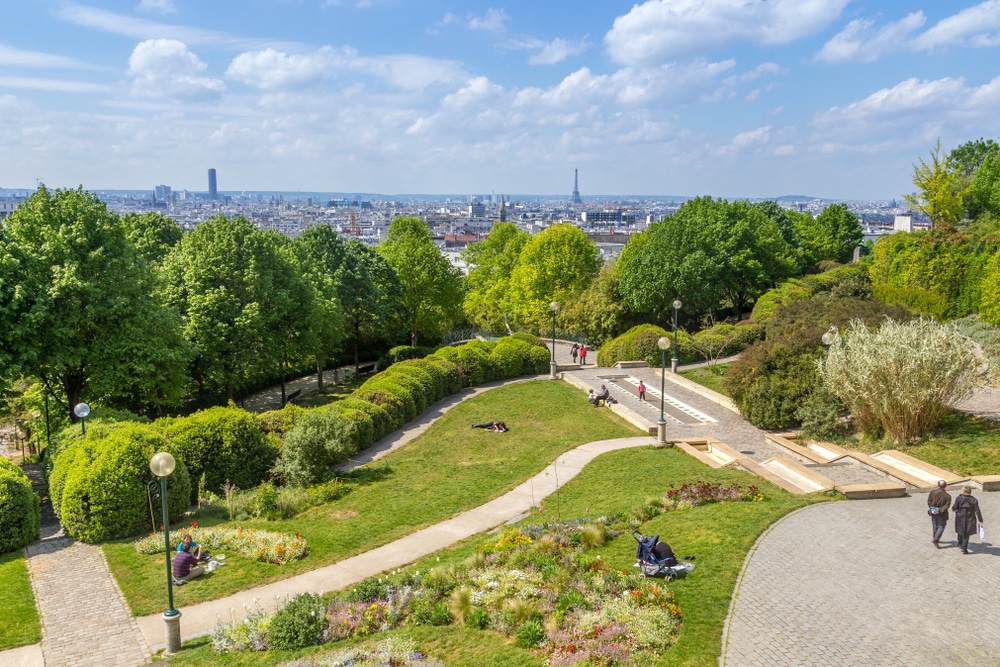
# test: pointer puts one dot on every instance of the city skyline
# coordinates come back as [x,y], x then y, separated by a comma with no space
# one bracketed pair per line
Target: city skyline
[763,98]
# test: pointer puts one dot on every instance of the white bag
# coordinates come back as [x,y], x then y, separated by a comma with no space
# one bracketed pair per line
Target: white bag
[982,532]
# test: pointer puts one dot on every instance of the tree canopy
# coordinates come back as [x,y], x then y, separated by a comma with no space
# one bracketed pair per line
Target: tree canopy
[491,263]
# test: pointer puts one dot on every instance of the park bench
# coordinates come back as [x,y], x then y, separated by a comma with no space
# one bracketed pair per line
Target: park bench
[292,396]
[366,368]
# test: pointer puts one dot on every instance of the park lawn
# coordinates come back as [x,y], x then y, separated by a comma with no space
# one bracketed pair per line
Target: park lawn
[708,376]
[719,535]
[19,625]
[446,470]
[962,444]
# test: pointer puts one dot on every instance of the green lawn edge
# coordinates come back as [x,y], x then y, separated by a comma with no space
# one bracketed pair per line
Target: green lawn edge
[448,469]
[19,623]
[719,535]
[708,376]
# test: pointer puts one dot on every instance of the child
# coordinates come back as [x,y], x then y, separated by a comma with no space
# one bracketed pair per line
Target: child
[642,391]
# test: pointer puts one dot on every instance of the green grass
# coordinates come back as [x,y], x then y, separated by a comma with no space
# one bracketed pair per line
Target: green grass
[719,535]
[962,444]
[19,624]
[708,376]
[331,393]
[448,469]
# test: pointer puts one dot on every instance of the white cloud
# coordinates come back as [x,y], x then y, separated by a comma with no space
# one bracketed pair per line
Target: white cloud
[556,51]
[157,6]
[860,41]
[55,85]
[761,135]
[494,20]
[165,68]
[660,30]
[15,57]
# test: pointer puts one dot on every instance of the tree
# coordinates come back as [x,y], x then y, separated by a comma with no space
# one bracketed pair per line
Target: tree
[555,265]
[599,311]
[832,235]
[985,186]
[370,296]
[432,297]
[319,253]
[152,233]
[491,263]
[76,304]
[940,190]
[236,292]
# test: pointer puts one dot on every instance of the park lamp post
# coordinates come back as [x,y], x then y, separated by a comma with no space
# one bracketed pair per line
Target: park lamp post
[81,410]
[673,361]
[162,464]
[661,426]
[830,337]
[552,365]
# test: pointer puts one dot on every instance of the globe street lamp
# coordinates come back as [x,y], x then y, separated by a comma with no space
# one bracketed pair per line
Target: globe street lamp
[661,426]
[162,464]
[829,338]
[81,410]
[552,365]
[673,361]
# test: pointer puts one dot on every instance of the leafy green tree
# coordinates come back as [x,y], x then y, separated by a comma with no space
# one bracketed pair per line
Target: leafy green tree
[319,253]
[370,294]
[152,233]
[967,159]
[237,293]
[940,190]
[555,265]
[432,298]
[599,311]
[76,304]
[985,186]
[832,235]
[491,263]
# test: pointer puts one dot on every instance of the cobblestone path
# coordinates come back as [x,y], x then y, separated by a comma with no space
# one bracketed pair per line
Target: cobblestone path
[85,620]
[859,583]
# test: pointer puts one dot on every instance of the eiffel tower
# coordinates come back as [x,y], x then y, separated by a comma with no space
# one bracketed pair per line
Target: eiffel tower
[576,188]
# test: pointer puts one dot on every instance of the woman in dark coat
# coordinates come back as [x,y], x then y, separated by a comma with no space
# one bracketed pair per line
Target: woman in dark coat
[967,517]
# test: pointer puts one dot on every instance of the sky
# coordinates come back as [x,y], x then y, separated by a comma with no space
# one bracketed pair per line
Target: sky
[728,98]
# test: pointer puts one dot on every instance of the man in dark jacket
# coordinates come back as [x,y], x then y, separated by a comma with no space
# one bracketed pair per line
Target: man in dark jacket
[968,516]
[938,502]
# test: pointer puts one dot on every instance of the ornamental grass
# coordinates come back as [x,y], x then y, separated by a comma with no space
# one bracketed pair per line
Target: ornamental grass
[901,379]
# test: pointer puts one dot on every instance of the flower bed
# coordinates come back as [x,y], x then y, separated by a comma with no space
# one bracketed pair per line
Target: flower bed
[260,545]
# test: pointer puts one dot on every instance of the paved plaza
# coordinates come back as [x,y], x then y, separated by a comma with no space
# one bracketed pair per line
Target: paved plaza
[859,583]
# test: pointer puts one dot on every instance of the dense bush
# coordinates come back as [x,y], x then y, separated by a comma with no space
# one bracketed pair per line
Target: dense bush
[394,398]
[513,356]
[637,343]
[783,294]
[477,364]
[437,374]
[104,495]
[721,340]
[99,421]
[358,428]
[900,379]
[381,421]
[221,444]
[990,305]
[454,375]
[419,381]
[318,442]
[20,512]
[300,623]
[404,352]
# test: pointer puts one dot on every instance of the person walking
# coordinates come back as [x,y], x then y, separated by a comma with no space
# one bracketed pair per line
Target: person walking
[938,502]
[968,517]
[574,351]
[583,354]
[642,397]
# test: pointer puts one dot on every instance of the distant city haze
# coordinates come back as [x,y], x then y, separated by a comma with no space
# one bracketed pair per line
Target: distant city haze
[834,99]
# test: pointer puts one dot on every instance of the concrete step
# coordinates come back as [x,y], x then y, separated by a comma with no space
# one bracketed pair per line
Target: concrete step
[806,480]
[926,474]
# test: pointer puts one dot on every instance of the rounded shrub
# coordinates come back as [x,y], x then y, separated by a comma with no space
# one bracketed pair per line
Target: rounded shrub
[104,496]
[391,397]
[280,421]
[358,428]
[381,421]
[420,385]
[454,376]
[404,352]
[300,623]
[222,444]
[432,376]
[316,444]
[509,357]
[785,293]
[477,364]
[99,422]
[636,344]
[20,508]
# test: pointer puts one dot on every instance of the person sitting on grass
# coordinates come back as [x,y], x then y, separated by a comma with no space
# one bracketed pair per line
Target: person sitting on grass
[193,547]
[186,565]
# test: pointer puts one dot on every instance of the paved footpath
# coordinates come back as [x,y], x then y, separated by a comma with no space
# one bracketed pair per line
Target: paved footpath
[859,584]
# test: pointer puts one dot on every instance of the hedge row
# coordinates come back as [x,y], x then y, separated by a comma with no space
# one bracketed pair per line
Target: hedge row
[637,343]
[20,512]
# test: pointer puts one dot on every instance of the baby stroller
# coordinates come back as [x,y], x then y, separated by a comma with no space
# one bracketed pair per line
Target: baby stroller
[656,558]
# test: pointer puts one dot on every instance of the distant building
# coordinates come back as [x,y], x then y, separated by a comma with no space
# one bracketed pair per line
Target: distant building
[162,192]
[213,187]
[6,208]
[477,209]
[576,188]
[503,210]
[616,216]
[903,223]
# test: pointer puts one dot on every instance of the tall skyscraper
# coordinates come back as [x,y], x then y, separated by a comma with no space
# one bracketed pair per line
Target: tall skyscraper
[576,188]
[213,188]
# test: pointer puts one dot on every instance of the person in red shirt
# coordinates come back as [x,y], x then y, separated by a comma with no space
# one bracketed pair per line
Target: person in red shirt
[583,355]
[642,391]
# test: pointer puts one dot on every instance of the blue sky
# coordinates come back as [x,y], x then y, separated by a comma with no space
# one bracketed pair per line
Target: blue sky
[733,98]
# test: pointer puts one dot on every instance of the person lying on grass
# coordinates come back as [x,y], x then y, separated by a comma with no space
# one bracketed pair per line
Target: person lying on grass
[496,427]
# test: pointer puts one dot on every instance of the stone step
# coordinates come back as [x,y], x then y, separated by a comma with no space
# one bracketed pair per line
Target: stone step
[806,480]
[709,451]
[927,474]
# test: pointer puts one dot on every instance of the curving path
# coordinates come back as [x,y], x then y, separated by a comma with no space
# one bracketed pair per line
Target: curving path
[859,584]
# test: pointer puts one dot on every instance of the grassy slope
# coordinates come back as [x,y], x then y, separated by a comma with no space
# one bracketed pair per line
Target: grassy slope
[19,624]
[718,535]
[709,376]
[446,470]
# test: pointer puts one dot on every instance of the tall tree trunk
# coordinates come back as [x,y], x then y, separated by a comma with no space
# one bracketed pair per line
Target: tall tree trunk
[73,388]
[282,385]
[320,359]
[356,364]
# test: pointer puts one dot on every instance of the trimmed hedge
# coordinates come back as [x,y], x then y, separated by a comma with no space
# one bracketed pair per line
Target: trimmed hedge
[99,422]
[404,352]
[637,343]
[358,427]
[380,419]
[20,508]
[394,398]
[454,375]
[280,421]
[103,496]
[221,444]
